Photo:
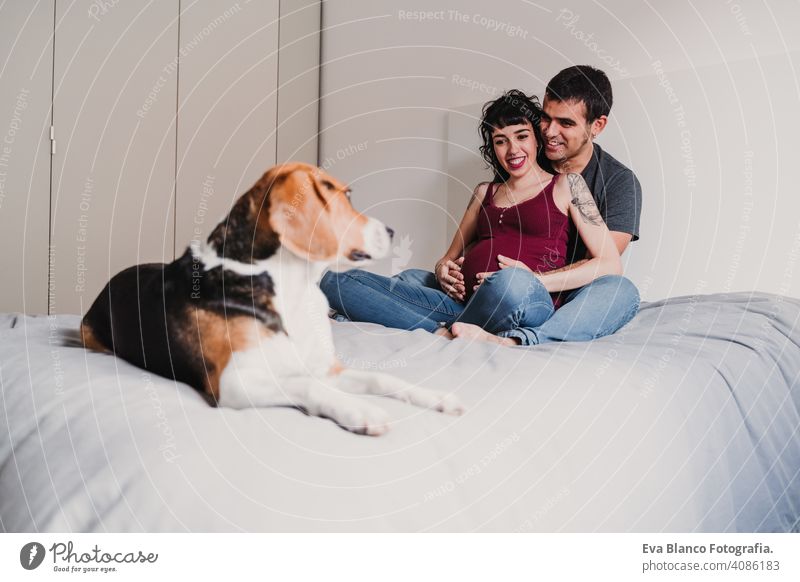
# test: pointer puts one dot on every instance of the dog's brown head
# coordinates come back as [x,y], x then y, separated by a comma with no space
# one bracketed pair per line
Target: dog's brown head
[306,210]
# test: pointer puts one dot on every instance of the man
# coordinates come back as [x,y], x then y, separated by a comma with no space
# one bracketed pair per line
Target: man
[576,105]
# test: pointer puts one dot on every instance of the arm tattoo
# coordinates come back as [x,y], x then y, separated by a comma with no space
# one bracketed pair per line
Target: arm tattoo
[583,201]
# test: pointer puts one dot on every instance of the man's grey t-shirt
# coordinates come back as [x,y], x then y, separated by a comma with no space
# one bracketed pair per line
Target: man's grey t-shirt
[618,195]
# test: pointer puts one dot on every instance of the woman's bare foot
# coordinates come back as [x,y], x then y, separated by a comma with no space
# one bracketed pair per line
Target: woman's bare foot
[470,331]
[444,332]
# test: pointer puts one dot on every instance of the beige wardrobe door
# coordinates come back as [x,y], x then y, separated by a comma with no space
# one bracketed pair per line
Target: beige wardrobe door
[114,165]
[26,68]
[298,93]
[227,109]
[244,105]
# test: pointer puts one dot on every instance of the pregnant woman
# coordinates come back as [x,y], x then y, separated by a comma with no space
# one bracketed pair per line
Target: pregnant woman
[498,281]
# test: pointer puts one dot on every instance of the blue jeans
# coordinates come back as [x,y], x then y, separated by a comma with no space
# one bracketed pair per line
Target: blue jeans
[510,303]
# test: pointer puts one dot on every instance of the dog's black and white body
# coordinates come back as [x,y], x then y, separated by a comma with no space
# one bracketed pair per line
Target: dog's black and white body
[241,317]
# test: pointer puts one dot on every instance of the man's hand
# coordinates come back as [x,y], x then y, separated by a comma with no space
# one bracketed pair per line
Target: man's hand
[450,279]
[505,262]
[480,278]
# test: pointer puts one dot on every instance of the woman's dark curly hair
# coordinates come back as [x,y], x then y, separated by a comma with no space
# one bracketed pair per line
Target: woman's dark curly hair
[511,108]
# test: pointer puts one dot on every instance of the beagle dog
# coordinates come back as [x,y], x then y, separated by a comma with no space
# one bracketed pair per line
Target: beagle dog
[241,318]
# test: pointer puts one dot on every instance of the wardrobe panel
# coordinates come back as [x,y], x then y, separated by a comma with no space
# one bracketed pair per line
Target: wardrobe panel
[116,74]
[227,109]
[298,96]
[26,70]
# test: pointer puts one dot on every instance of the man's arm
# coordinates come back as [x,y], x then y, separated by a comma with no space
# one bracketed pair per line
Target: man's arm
[621,239]
[593,231]
[623,196]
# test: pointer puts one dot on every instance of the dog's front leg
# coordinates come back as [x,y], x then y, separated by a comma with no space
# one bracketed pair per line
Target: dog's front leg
[322,397]
[253,380]
[318,397]
[380,384]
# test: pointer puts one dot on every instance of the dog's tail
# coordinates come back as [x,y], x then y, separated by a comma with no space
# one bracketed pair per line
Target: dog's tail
[90,339]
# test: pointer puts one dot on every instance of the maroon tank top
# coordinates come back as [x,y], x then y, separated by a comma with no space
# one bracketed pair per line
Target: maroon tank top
[534,231]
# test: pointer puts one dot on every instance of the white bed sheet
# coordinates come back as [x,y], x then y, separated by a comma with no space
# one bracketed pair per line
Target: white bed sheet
[687,420]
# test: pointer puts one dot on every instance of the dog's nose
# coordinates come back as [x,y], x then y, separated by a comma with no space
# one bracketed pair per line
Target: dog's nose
[390,231]
[356,256]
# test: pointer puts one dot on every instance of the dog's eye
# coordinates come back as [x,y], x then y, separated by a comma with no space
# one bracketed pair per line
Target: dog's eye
[328,185]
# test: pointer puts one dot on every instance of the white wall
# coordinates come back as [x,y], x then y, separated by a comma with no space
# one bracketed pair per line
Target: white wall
[707,107]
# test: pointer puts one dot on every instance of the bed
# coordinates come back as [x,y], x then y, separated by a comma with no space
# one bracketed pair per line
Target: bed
[684,421]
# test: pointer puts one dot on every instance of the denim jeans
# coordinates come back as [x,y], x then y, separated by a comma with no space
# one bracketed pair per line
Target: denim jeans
[510,303]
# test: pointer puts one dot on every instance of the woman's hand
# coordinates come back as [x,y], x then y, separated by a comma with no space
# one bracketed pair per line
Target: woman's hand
[450,279]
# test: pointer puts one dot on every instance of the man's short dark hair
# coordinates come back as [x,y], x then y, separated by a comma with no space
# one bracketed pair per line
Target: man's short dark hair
[582,83]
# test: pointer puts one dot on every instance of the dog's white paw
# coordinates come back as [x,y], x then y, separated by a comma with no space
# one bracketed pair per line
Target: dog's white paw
[450,404]
[434,400]
[362,418]
[324,399]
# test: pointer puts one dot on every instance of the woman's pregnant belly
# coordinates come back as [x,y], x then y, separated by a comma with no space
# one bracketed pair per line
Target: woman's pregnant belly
[479,259]
[482,258]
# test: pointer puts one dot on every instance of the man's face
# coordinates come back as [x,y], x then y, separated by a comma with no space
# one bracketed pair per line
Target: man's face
[566,132]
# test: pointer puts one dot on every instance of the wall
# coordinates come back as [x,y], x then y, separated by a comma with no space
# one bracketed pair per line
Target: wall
[706,112]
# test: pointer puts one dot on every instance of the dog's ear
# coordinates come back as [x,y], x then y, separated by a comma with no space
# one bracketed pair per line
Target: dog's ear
[242,235]
[298,214]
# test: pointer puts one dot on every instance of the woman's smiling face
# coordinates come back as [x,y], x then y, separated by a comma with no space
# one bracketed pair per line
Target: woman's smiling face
[515,148]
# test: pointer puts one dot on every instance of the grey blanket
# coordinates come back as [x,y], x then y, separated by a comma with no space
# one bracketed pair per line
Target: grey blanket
[686,420]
